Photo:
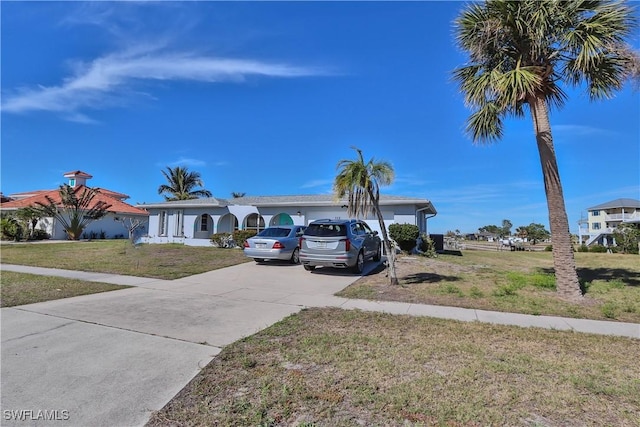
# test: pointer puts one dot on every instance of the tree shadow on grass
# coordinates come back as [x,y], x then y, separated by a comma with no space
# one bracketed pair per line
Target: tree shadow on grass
[628,277]
[417,278]
[586,275]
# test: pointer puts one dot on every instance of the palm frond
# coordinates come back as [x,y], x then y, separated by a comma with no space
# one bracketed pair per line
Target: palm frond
[485,125]
[521,50]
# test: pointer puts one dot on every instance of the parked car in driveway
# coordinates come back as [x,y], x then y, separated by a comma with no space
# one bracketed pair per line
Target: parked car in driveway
[341,243]
[276,242]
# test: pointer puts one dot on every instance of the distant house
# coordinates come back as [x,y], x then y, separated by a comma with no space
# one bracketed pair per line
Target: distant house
[110,226]
[603,219]
[192,222]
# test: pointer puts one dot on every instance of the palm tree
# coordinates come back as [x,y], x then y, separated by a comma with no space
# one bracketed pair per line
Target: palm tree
[360,182]
[75,209]
[520,52]
[181,184]
[30,216]
[237,195]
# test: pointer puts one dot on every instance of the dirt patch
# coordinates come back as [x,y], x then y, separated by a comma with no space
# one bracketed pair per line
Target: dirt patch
[412,271]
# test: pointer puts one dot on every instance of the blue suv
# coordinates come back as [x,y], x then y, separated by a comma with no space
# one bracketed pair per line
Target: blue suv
[341,243]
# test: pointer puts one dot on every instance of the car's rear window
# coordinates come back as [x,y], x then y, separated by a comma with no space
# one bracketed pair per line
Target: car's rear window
[274,232]
[326,230]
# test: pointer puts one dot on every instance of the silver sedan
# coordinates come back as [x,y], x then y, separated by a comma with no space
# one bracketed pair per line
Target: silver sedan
[279,242]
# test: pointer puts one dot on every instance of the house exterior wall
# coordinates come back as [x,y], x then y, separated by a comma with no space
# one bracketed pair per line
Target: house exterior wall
[109,226]
[219,219]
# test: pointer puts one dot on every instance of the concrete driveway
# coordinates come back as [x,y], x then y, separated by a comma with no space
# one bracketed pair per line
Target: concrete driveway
[111,359]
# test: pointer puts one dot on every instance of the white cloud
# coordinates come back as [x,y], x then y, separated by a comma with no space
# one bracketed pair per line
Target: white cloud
[579,130]
[184,161]
[486,194]
[108,80]
[317,183]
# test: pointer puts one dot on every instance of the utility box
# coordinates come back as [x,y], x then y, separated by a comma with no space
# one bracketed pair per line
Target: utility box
[438,241]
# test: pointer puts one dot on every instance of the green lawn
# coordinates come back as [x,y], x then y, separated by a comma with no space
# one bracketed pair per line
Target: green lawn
[20,288]
[521,282]
[120,257]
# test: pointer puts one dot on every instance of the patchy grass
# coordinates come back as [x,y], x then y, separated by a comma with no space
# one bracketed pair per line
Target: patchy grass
[520,282]
[170,261]
[20,288]
[331,367]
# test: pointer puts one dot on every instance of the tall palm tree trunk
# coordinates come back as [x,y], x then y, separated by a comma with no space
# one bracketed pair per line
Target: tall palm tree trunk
[391,252]
[564,263]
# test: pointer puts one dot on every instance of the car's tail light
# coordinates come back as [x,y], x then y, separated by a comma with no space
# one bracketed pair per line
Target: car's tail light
[300,242]
[347,244]
[278,245]
[245,244]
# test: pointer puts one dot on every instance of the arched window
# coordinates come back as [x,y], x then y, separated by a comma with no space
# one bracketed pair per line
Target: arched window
[204,222]
[281,219]
[228,223]
[254,222]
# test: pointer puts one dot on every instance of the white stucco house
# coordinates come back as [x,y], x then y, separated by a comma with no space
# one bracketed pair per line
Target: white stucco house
[192,222]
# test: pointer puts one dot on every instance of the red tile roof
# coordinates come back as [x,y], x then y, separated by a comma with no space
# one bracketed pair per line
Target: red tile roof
[113,194]
[77,173]
[109,197]
[27,194]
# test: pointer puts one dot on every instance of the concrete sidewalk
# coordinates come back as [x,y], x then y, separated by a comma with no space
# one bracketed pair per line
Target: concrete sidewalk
[110,359]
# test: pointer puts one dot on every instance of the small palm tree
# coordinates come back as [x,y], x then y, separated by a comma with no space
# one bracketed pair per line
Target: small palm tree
[520,52]
[360,182]
[30,216]
[75,210]
[181,184]
[237,195]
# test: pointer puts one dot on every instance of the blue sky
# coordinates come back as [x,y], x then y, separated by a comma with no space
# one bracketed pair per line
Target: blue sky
[266,97]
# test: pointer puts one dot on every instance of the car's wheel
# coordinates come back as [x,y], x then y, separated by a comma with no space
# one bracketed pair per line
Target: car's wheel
[309,267]
[378,256]
[295,256]
[258,260]
[359,266]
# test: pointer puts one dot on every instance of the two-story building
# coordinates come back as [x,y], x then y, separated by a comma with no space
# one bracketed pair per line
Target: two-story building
[192,222]
[603,219]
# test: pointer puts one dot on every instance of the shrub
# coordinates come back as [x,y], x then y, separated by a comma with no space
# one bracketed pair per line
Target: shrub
[598,249]
[11,228]
[583,248]
[220,240]
[40,234]
[405,234]
[627,237]
[427,246]
[548,248]
[239,236]
[93,235]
